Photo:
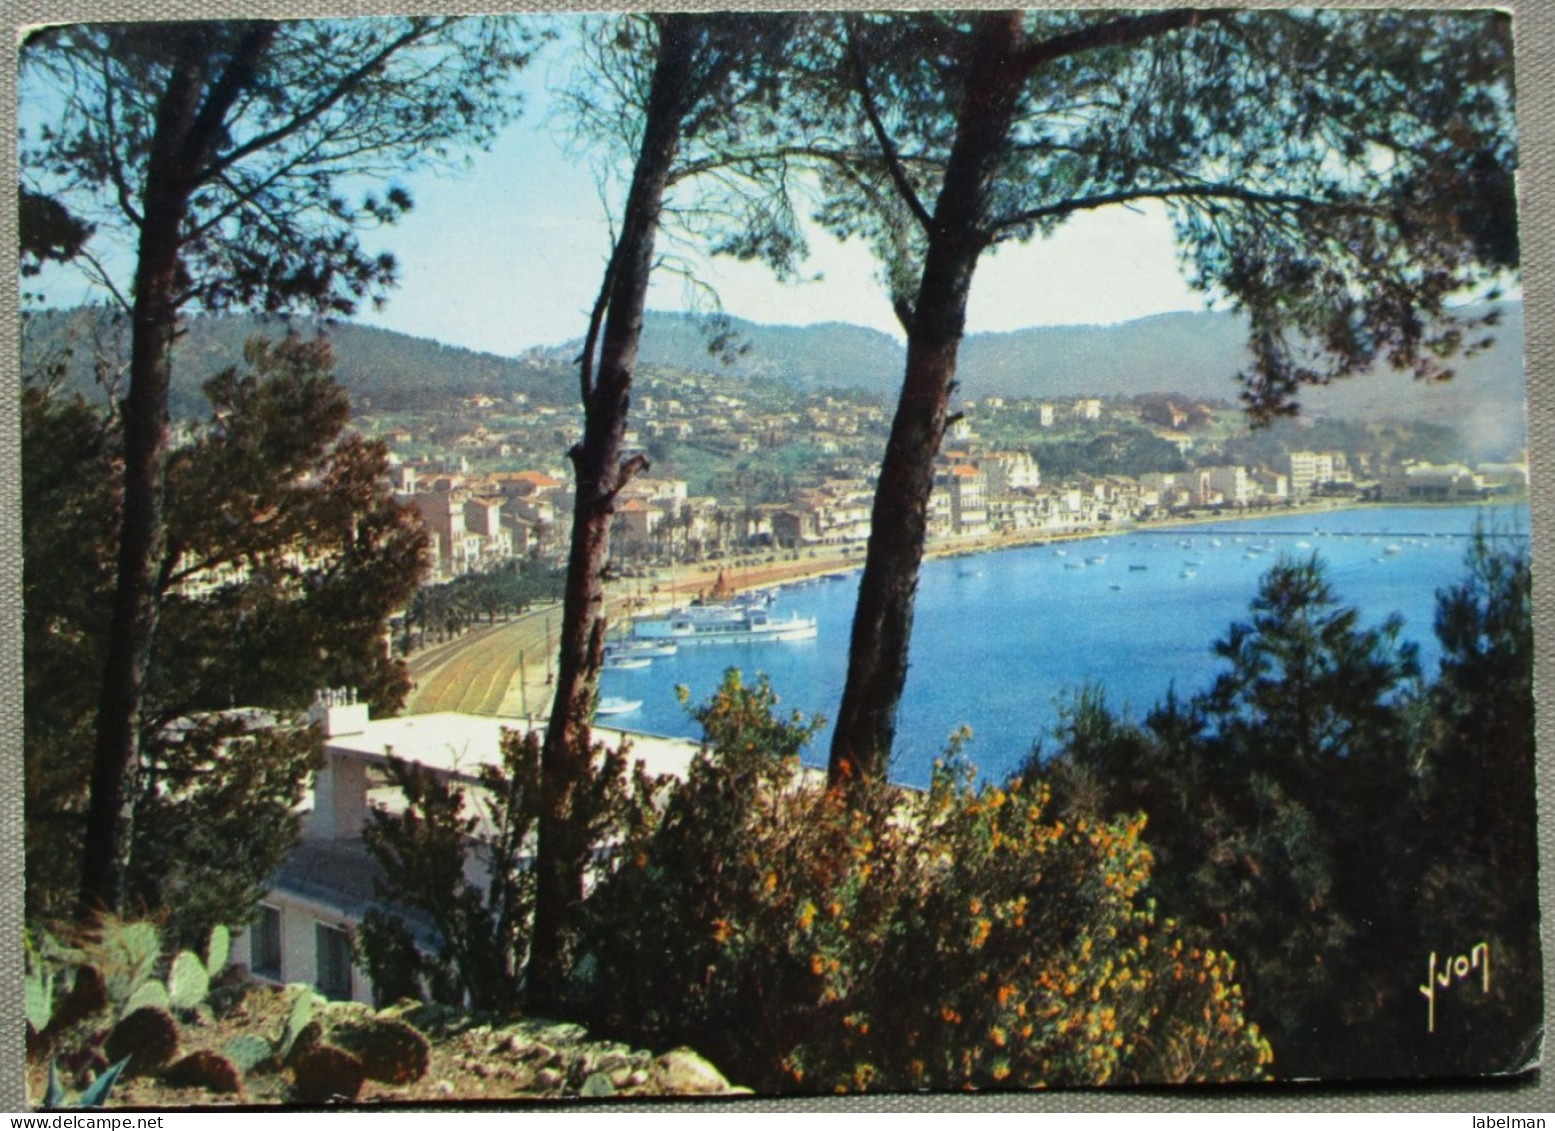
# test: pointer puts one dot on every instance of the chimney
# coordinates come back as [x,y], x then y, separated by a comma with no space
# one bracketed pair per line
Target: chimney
[338,712]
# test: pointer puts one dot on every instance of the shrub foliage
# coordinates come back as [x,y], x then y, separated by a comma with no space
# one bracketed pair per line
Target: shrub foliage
[961,938]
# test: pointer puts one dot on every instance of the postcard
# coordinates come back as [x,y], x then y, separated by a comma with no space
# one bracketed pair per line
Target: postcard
[683,554]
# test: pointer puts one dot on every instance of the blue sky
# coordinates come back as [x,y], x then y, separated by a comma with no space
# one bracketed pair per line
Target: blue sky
[509,255]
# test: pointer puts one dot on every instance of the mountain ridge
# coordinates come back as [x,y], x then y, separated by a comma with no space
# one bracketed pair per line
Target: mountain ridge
[1192,354]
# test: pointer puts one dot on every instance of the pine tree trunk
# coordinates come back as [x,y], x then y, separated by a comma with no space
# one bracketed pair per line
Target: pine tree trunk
[136,604]
[187,131]
[882,624]
[562,847]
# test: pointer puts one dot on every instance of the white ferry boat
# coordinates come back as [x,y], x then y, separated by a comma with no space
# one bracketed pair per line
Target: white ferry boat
[723,624]
[617,706]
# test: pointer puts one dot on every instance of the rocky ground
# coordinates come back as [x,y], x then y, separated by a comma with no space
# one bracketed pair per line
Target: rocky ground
[351,1054]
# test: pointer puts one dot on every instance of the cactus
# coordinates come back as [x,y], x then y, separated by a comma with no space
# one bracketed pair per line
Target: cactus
[304,1006]
[327,1074]
[217,950]
[206,1069]
[248,1052]
[187,981]
[148,1038]
[38,991]
[153,994]
[126,953]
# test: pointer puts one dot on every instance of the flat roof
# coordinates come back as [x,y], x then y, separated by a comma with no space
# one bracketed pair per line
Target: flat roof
[459,744]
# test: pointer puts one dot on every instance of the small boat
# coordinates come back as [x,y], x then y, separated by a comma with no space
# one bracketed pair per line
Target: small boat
[1115,587]
[1096,559]
[1138,568]
[1188,573]
[615,706]
[1393,549]
[625,663]
[625,649]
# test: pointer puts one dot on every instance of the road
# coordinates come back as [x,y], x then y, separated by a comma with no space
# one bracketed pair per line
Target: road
[478,673]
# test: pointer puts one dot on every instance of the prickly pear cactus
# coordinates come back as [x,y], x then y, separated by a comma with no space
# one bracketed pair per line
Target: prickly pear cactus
[217,950]
[126,953]
[152,994]
[248,1052]
[187,981]
[38,994]
[304,1006]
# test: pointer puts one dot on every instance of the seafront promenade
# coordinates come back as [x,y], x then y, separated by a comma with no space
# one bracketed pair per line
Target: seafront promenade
[505,669]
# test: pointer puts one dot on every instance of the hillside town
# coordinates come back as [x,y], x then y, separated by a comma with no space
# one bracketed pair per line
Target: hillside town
[500,488]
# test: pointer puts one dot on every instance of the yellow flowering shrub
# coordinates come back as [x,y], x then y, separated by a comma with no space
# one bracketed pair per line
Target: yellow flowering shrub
[894,939]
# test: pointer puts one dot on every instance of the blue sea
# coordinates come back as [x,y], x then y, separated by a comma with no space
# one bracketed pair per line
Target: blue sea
[1000,637]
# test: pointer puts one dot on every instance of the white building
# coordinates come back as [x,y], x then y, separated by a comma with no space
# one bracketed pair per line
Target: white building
[1235,487]
[327,885]
[1308,471]
[1010,471]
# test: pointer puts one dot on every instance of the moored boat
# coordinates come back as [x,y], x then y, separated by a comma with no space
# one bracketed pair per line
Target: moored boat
[645,648]
[625,663]
[617,706]
[723,624]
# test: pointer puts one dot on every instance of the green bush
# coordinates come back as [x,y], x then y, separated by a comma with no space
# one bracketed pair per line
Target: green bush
[889,939]
[456,862]
[1335,822]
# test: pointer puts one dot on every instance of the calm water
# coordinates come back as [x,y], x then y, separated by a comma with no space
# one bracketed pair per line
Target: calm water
[999,636]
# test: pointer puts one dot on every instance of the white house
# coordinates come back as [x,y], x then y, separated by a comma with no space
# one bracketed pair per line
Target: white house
[326,886]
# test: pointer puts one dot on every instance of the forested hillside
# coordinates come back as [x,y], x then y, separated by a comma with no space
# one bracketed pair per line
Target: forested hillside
[1197,355]
[381,369]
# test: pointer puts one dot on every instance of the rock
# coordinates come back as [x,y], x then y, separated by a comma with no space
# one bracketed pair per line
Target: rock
[683,1072]
[509,1044]
[611,1062]
[597,1087]
[325,1074]
[627,1076]
[548,1079]
[538,1054]
[389,1049]
[443,1088]
[206,1069]
[149,1037]
[433,1015]
[523,1079]
[556,1032]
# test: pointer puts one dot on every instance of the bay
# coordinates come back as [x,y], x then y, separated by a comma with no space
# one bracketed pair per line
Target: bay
[1000,637]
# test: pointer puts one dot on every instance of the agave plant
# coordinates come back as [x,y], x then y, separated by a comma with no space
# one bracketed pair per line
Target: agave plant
[95,1095]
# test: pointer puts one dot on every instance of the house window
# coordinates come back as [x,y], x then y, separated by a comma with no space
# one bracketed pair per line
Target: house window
[334,962]
[266,943]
